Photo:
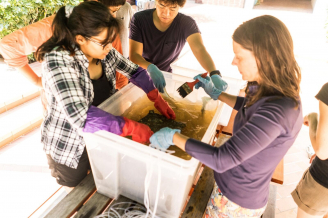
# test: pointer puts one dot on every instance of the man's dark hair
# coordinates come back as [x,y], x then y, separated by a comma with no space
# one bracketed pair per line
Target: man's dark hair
[181,3]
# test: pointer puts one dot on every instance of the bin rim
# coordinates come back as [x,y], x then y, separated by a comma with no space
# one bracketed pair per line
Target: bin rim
[135,149]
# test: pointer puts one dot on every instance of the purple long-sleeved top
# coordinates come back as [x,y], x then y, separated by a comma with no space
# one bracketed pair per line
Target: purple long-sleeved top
[262,134]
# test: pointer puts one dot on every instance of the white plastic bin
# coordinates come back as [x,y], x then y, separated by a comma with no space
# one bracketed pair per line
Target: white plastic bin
[120,165]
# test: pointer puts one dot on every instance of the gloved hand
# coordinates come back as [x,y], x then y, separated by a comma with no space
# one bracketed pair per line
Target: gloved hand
[98,119]
[139,132]
[160,104]
[208,86]
[219,83]
[157,77]
[163,138]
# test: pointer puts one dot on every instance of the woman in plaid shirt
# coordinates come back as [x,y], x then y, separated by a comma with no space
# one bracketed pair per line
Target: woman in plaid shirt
[79,66]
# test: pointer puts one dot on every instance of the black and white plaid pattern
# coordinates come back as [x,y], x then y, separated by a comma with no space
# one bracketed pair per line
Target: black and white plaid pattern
[69,92]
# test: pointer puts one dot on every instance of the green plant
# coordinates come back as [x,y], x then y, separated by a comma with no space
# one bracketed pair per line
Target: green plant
[31,58]
[15,14]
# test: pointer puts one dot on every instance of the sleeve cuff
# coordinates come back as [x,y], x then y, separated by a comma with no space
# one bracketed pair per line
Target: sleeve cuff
[215,72]
[142,79]
[322,95]
[239,103]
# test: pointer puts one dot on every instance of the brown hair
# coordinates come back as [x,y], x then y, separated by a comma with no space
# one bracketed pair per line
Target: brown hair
[272,45]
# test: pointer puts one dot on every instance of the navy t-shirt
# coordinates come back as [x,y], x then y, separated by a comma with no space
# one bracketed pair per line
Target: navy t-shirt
[319,168]
[161,48]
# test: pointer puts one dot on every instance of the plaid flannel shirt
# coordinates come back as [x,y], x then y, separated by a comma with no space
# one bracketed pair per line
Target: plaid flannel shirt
[69,92]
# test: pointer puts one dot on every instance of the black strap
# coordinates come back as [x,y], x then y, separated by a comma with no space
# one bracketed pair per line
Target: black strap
[215,72]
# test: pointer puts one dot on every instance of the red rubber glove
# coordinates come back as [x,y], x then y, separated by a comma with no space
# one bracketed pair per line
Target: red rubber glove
[139,132]
[160,104]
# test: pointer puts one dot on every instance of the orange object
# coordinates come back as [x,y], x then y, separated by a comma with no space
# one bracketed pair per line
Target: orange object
[121,80]
[16,46]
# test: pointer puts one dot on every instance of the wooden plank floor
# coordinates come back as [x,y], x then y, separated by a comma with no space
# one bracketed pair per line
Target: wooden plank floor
[94,206]
[199,198]
[84,202]
[75,199]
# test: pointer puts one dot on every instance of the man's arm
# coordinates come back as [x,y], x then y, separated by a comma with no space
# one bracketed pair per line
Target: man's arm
[156,75]
[196,44]
[135,54]
[318,128]
[15,46]
[27,71]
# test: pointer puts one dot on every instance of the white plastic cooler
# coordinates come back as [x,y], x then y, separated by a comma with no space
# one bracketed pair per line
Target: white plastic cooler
[120,165]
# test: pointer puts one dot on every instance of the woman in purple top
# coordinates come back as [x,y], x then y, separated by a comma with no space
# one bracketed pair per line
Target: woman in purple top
[266,125]
[158,35]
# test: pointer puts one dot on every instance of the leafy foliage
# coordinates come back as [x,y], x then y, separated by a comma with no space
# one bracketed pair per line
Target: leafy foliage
[15,14]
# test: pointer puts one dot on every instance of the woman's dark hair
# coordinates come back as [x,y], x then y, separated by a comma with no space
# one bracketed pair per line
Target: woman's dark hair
[110,3]
[272,45]
[87,19]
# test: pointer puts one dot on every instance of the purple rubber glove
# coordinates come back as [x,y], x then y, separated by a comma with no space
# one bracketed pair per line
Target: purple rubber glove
[142,79]
[98,119]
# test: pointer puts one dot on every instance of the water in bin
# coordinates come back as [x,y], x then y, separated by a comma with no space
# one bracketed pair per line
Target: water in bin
[196,116]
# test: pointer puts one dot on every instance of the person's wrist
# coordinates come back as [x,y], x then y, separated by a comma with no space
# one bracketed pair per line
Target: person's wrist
[215,72]
[172,132]
[150,67]
[216,96]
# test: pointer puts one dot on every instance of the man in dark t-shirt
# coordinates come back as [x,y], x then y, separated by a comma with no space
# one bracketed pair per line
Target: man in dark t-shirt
[158,35]
[311,194]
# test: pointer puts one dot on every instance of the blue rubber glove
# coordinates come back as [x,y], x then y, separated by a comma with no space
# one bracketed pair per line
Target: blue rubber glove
[207,84]
[163,138]
[219,83]
[217,80]
[157,77]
